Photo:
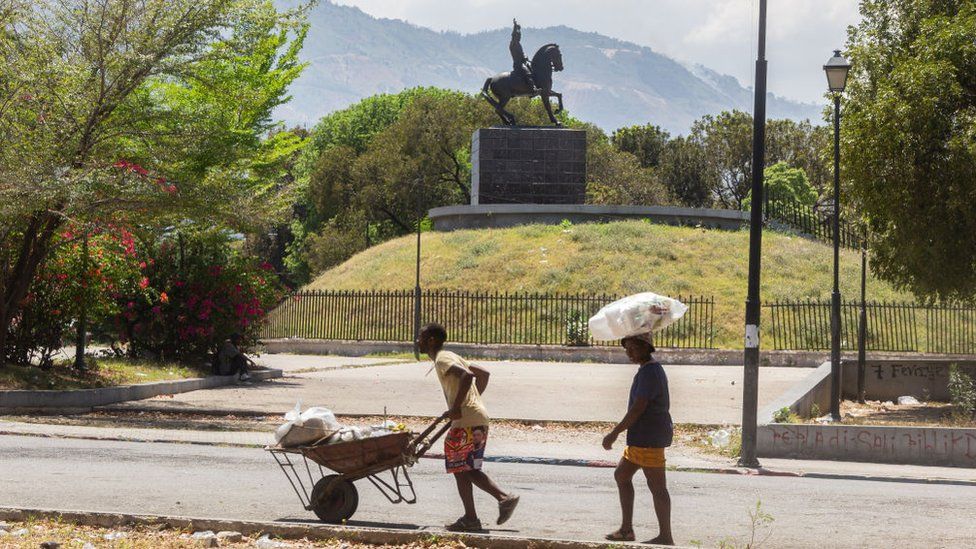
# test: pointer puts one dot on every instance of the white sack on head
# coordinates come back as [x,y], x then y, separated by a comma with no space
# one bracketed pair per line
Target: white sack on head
[635,314]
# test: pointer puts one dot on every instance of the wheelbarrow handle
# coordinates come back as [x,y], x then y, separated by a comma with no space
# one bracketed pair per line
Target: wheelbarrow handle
[420,445]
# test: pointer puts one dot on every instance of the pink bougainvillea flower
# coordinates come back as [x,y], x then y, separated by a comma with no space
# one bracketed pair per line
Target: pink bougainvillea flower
[144,283]
[142,264]
[163,297]
[267,266]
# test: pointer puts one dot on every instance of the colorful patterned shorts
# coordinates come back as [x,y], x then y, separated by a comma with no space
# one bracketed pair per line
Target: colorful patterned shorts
[464,448]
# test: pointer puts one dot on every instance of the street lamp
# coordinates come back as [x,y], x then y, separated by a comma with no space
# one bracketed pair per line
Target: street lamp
[416,288]
[836,68]
[750,371]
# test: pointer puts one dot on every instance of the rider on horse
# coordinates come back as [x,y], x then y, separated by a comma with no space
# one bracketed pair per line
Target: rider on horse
[520,63]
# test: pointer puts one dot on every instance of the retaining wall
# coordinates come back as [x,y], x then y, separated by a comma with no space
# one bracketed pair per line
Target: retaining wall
[938,446]
[451,218]
[886,379]
[925,379]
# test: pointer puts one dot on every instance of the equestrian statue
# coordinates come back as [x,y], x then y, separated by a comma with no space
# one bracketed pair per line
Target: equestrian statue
[527,79]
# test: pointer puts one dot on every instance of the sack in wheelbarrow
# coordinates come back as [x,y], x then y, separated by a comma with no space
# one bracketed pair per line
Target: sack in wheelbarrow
[358,455]
[302,428]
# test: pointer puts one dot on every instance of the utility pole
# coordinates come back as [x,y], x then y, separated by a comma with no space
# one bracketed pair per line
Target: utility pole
[750,381]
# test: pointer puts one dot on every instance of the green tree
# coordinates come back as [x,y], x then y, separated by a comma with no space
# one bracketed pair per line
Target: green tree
[617,177]
[684,172]
[646,142]
[152,112]
[908,133]
[787,185]
[726,140]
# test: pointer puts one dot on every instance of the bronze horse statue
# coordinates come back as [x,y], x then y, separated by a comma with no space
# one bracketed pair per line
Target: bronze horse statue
[504,86]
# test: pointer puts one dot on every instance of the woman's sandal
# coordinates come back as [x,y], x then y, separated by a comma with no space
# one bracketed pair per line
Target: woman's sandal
[621,535]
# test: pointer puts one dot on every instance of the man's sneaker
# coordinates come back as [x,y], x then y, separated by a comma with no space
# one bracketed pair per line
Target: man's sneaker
[506,507]
[465,525]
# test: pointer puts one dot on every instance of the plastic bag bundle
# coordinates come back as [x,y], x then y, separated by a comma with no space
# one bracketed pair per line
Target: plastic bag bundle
[303,428]
[635,314]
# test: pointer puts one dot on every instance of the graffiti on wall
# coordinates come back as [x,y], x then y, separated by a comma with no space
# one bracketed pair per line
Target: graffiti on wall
[909,444]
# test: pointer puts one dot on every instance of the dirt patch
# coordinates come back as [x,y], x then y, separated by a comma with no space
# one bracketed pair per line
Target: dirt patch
[933,414]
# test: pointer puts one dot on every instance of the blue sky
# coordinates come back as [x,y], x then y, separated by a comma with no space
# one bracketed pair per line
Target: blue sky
[720,34]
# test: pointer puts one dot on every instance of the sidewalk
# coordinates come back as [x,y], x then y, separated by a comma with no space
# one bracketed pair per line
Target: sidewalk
[541,391]
[551,453]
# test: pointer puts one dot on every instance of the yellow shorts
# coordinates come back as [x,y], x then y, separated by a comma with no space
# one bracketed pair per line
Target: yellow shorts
[644,457]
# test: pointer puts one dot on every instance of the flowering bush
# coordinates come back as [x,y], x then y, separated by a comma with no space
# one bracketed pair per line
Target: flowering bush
[193,292]
[90,275]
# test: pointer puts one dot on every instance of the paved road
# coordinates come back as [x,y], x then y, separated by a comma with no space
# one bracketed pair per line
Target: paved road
[518,390]
[565,502]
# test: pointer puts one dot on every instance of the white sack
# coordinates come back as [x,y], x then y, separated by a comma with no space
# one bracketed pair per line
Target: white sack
[302,428]
[635,314]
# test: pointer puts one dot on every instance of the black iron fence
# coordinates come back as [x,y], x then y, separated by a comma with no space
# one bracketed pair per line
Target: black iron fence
[470,317]
[910,327]
[819,225]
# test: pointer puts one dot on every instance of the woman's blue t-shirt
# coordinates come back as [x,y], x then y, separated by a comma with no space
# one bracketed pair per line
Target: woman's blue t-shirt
[653,429]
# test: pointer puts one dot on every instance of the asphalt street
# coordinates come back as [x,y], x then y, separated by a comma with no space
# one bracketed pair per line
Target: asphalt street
[560,502]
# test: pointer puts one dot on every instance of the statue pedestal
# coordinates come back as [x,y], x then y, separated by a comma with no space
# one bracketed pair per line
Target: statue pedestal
[513,165]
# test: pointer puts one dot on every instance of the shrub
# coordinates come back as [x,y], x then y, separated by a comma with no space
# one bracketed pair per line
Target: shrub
[577,329]
[196,292]
[785,415]
[78,276]
[962,392]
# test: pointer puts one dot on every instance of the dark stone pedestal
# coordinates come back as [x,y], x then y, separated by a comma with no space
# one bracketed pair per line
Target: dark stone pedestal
[528,166]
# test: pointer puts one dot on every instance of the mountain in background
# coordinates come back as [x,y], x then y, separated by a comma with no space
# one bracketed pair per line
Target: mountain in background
[606,81]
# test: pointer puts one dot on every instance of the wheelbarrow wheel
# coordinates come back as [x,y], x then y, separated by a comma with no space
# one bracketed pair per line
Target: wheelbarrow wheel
[336,505]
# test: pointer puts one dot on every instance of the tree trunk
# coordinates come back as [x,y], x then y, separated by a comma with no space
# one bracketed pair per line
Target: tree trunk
[34,247]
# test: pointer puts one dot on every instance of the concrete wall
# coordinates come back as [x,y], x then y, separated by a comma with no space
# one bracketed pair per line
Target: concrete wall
[925,379]
[450,218]
[813,389]
[886,379]
[911,445]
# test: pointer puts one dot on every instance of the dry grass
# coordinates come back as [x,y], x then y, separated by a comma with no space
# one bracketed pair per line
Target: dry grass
[930,414]
[105,372]
[33,533]
[621,257]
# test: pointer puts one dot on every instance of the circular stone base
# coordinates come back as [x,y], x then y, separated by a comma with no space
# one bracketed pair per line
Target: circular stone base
[482,216]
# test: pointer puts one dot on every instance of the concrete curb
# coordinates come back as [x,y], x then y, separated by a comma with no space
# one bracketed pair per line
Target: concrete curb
[295,530]
[86,399]
[608,355]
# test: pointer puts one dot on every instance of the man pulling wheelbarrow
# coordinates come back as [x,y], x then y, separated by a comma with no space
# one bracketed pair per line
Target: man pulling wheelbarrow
[464,446]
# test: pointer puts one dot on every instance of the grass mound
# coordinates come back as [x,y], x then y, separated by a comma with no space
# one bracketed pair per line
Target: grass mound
[620,257]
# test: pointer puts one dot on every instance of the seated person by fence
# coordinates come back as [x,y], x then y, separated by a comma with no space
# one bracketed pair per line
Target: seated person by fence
[231,361]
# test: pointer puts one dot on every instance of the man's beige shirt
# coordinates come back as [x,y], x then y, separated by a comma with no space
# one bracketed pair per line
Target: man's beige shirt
[473,411]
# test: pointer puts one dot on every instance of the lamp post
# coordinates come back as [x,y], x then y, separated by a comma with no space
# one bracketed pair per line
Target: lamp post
[750,372]
[862,325]
[416,288]
[836,68]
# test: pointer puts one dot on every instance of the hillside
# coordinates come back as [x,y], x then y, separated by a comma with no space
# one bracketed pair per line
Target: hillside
[609,82]
[622,257]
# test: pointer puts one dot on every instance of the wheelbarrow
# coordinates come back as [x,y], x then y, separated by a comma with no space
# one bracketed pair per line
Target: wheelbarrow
[333,497]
